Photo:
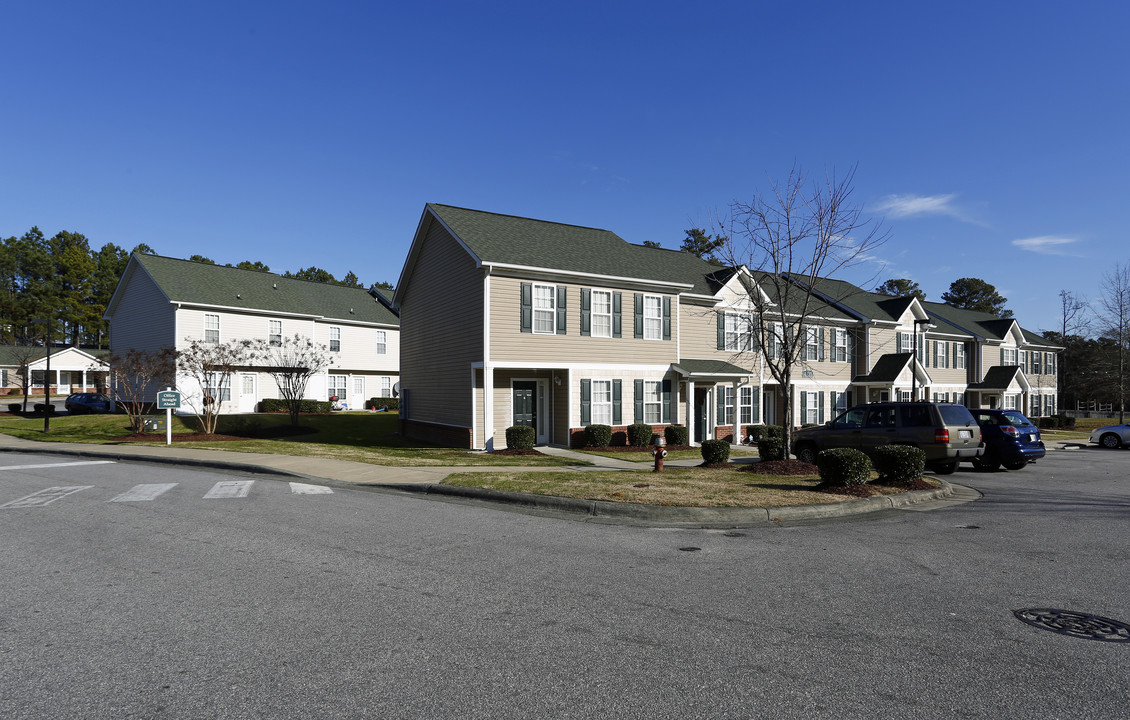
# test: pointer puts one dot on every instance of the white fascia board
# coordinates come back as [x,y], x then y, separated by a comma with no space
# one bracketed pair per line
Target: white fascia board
[550,365]
[426,217]
[590,279]
[743,270]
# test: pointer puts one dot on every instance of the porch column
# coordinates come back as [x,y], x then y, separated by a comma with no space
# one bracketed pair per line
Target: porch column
[488,407]
[83,381]
[737,437]
[690,411]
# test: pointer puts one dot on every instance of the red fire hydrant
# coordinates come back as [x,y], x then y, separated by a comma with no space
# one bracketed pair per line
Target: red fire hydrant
[658,451]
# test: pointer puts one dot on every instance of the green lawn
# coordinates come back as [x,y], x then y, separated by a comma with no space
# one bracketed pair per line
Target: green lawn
[645,456]
[362,437]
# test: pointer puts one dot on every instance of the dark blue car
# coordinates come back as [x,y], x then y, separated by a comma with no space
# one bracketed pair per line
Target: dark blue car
[87,403]
[1011,439]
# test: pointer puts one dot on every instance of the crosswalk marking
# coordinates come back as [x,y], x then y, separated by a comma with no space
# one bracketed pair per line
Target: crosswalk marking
[229,489]
[62,464]
[44,497]
[305,489]
[142,493]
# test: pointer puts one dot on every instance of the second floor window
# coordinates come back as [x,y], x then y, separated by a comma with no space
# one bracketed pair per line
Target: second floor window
[545,309]
[1008,356]
[1036,369]
[212,329]
[601,314]
[274,333]
[739,337]
[812,344]
[959,356]
[335,339]
[839,346]
[941,354]
[381,342]
[652,317]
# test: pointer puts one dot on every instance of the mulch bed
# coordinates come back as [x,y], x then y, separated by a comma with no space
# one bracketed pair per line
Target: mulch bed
[781,467]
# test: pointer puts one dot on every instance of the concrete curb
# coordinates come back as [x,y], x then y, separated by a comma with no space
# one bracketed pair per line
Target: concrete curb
[159,460]
[605,511]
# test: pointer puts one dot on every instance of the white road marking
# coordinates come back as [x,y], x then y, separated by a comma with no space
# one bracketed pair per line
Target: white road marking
[141,493]
[304,489]
[45,496]
[226,489]
[51,465]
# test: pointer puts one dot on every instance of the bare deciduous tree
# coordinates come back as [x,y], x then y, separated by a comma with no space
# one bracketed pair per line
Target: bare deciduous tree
[796,234]
[211,366]
[292,363]
[138,374]
[1115,322]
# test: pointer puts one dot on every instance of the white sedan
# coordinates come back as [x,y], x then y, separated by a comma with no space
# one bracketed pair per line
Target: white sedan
[1111,436]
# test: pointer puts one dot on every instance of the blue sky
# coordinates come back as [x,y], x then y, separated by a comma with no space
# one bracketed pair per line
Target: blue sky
[990,138]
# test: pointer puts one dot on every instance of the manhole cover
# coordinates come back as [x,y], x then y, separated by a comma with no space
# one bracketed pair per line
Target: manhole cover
[733,533]
[1080,625]
[690,549]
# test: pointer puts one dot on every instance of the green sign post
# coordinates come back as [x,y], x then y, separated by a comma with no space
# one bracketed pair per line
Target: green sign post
[168,400]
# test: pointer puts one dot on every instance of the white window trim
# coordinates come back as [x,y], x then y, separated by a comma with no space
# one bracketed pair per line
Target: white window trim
[745,405]
[274,339]
[602,329]
[601,411]
[839,345]
[207,317]
[653,402]
[653,321]
[551,290]
[382,342]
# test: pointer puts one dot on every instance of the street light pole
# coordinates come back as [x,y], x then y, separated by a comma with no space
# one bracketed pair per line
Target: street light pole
[47,406]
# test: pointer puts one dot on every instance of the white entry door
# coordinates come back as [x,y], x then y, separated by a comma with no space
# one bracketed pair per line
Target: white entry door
[247,396]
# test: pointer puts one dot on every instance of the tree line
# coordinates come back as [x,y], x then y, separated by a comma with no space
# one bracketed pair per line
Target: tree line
[59,287]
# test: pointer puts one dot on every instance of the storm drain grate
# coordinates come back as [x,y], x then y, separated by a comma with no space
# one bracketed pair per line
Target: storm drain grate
[1080,625]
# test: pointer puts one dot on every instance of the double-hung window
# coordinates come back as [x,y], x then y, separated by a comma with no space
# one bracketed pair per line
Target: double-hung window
[1022,359]
[382,342]
[1036,364]
[941,354]
[602,402]
[601,316]
[274,333]
[745,404]
[217,387]
[386,386]
[335,340]
[337,386]
[811,344]
[839,345]
[725,404]
[1008,357]
[959,356]
[739,333]
[652,402]
[545,309]
[1010,402]
[811,408]
[1034,411]
[212,329]
[652,317]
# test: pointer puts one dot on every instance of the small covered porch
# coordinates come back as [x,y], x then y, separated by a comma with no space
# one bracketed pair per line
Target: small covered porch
[1004,387]
[895,376]
[719,398]
[71,370]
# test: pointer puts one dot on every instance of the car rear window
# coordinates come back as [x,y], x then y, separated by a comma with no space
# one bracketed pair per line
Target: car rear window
[1016,418]
[956,415]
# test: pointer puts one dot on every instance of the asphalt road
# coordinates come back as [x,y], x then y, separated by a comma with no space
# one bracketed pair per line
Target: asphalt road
[217,599]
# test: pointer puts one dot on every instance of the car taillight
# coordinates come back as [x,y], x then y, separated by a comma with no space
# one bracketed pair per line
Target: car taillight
[942,436]
[1010,431]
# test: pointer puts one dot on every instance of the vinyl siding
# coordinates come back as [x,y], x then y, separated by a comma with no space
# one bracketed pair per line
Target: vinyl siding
[698,336]
[143,318]
[441,330]
[509,344]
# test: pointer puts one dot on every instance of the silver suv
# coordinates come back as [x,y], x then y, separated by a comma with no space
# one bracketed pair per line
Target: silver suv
[947,433]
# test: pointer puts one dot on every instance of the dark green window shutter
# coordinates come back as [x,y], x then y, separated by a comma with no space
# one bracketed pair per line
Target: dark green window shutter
[720,395]
[586,311]
[617,416]
[820,405]
[666,318]
[638,401]
[666,401]
[562,291]
[803,407]
[616,315]
[638,298]
[898,343]
[821,344]
[848,401]
[527,307]
[586,402]
[721,331]
[756,405]
[1002,356]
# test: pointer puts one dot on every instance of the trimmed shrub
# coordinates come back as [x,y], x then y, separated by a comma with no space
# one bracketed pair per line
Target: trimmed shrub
[843,466]
[771,447]
[715,452]
[270,405]
[386,403]
[44,409]
[677,435]
[520,437]
[1064,421]
[898,463]
[15,408]
[598,435]
[639,434]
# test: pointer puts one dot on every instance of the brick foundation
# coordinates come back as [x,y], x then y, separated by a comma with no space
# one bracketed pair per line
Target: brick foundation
[438,434]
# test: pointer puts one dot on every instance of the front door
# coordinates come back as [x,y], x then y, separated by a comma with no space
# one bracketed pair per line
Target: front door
[247,397]
[526,405]
[701,414]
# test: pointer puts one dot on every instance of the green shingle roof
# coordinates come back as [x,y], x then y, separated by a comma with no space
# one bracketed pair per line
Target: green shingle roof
[195,283]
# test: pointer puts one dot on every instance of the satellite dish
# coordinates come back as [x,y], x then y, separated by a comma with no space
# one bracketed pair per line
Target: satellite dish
[396,389]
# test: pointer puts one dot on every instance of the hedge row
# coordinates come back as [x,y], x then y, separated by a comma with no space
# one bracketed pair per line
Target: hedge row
[268,405]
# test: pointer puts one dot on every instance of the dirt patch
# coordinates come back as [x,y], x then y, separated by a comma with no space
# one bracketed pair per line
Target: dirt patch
[781,467]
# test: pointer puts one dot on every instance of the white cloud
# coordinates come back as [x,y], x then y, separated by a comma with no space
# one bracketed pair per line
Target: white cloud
[1046,244]
[901,206]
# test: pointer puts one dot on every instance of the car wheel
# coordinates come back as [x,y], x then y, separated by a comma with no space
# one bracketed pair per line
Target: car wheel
[986,463]
[806,453]
[1110,440]
[946,468]
[1015,464]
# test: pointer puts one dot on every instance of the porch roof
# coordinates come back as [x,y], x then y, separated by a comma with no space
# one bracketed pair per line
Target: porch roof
[709,368]
[1001,377]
